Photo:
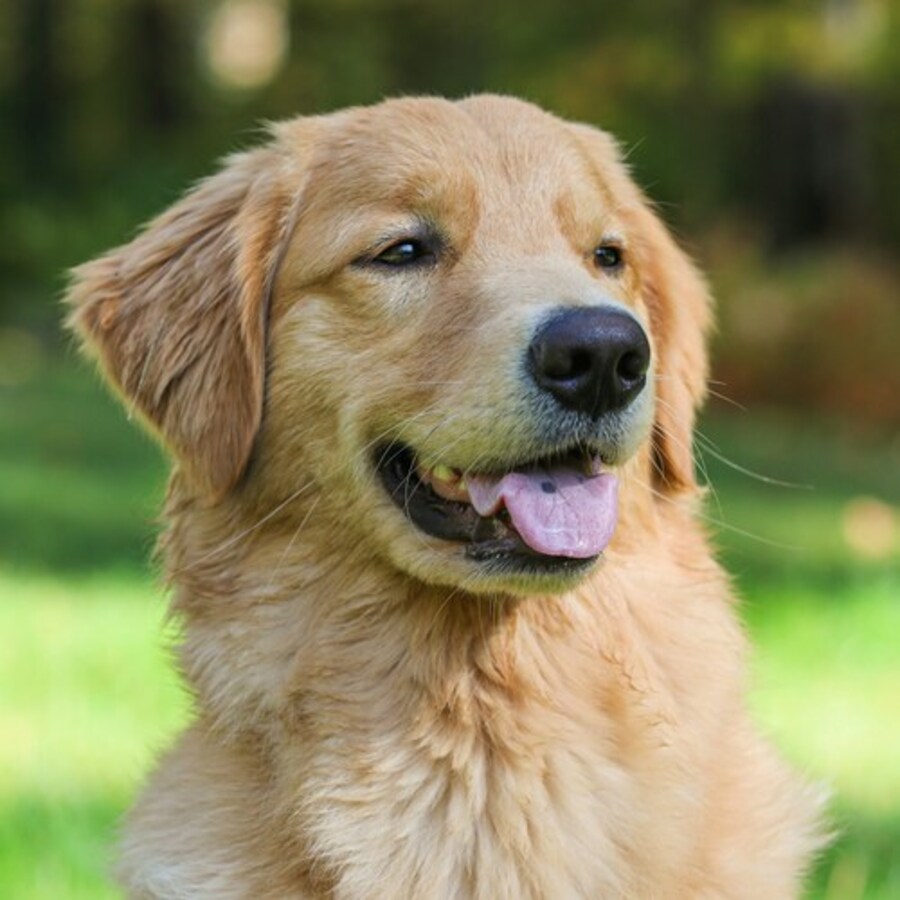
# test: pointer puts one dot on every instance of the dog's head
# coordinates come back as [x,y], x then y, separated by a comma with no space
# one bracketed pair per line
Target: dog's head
[460,323]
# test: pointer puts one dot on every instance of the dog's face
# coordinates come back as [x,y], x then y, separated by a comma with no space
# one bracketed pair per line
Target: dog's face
[466,330]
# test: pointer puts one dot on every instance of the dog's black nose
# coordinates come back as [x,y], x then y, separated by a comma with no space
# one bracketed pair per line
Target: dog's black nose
[591,359]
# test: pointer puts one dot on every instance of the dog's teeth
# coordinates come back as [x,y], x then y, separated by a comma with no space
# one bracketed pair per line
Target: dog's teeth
[444,473]
[448,483]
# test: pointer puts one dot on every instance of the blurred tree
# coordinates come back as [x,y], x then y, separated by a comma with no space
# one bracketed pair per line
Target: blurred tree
[809,163]
[437,47]
[160,67]
[37,91]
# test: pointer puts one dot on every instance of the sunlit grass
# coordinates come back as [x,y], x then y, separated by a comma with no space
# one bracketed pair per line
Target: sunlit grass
[826,684]
[87,695]
[827,689]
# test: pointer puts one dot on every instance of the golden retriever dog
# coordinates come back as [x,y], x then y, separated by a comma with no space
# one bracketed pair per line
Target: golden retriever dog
[427,372]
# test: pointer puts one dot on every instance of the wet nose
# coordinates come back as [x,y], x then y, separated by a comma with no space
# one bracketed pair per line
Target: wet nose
[593,360]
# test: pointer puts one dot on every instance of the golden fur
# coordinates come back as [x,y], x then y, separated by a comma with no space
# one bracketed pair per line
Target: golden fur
[376,718]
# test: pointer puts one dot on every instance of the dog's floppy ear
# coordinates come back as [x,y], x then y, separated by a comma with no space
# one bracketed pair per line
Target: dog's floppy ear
[679,307]
[680,312]
[177,317]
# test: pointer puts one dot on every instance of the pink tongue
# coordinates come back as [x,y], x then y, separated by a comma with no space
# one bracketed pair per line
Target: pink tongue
[557,512]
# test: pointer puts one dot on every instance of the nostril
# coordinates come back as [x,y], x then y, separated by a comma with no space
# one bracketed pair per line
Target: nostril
[631,366]
[582,363]
[563,363]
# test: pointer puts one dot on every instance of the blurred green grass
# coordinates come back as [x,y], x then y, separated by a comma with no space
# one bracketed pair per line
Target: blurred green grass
[88,695]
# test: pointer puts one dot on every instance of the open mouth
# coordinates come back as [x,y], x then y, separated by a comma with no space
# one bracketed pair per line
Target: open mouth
[551,514]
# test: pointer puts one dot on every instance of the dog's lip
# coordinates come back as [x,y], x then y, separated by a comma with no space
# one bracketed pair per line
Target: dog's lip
[436,500]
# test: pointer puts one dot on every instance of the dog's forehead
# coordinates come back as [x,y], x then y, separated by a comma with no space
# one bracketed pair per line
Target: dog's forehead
[489,150]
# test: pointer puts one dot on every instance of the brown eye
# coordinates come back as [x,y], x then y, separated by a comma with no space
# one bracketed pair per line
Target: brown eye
[405,253]
[608,256]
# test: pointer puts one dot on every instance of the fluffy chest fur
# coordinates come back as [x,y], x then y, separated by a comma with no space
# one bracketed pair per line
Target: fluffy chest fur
[542,756]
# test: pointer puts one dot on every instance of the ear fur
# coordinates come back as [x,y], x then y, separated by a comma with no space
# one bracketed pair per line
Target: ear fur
[679,306]
[177,317]
[680,311]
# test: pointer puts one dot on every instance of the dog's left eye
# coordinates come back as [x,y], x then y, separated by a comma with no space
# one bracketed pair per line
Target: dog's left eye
[608,256]
[405,253]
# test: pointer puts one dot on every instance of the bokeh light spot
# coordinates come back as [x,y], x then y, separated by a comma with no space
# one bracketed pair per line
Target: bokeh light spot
[870,527]
[246,42]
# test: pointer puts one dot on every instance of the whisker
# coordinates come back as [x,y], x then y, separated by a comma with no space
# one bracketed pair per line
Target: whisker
[726,399]
[697,459]
[721,523]
[707,445]
[278,566]
[231,541]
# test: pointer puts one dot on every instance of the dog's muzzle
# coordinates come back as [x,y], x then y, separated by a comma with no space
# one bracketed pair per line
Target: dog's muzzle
[557,509]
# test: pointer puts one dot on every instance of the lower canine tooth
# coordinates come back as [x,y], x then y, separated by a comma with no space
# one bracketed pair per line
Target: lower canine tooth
[443,473]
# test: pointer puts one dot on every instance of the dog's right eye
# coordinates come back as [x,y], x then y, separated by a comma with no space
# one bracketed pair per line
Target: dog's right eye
[404,253]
